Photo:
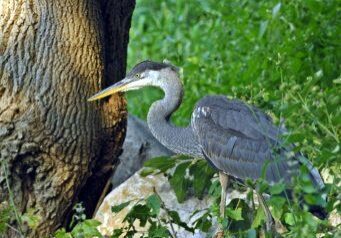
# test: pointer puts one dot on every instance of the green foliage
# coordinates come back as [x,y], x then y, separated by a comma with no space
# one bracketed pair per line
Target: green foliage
[81,227]
[259,218]
[235,214]
[179,182]
[277,188]
[61,233]
[238,213]
[31,219]
[147,213]
[202,174]
[84,229]
[154,202]
[120,207]
[204,222]
[5,216]
[162,164]
[188,173]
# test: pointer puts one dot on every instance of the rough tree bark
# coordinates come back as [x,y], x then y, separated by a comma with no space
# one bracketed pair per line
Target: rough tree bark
[53,56]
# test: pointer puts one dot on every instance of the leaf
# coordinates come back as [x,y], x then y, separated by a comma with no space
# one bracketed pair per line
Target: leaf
[140,212]
[277,203]
[178,181]
[119,207]
[31,219]
[215,189]
[158,231]
[176,220]
[182,157]
[204,222]
[259,218]
[314,199]
[296,137]
[5,216]
[276,9]
[238,224]
[154,203]
[147,171]
[262,28]
[308,218]
[202,174]
[251,233]
[61,233]
[87,228]
[117,233]
[308,187]
[234,214]
[289,218]
[262,185]
[277,188]
[162,163]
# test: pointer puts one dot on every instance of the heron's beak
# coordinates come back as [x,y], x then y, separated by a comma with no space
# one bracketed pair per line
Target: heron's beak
[120,86]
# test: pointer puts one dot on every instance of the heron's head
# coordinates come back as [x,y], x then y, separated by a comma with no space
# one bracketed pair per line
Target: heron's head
[146,73]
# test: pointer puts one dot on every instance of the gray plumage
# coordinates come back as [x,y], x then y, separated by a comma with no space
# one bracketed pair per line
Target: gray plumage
[242,141]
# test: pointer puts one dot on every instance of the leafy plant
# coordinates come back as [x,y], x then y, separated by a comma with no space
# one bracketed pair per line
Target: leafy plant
[81,227]
[85,229]
[147,213]
[187,177]
[5,216]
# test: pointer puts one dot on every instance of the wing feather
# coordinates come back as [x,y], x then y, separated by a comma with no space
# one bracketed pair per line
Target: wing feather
[239,139]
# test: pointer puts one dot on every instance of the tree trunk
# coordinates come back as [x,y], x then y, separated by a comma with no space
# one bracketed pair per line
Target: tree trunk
[53,56]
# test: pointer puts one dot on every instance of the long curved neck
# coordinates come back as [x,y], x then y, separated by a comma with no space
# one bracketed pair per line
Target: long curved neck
[178,139]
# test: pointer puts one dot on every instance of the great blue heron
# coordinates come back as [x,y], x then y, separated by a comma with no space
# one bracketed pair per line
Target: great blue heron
[236,138]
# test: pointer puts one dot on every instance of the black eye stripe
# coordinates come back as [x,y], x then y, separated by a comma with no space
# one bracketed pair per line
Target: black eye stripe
[149,65]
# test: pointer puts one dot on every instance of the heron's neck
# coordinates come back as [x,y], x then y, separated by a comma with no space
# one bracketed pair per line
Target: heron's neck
[178,139]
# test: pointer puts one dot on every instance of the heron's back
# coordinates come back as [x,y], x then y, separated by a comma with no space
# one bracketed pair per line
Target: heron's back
[242,141]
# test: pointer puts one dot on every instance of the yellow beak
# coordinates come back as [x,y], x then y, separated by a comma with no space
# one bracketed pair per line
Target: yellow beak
[117,87]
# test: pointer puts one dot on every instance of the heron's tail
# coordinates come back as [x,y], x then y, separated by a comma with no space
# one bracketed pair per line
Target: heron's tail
[318,211]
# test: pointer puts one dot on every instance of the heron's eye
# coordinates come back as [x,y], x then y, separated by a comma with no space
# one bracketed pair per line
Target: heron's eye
[138,76]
